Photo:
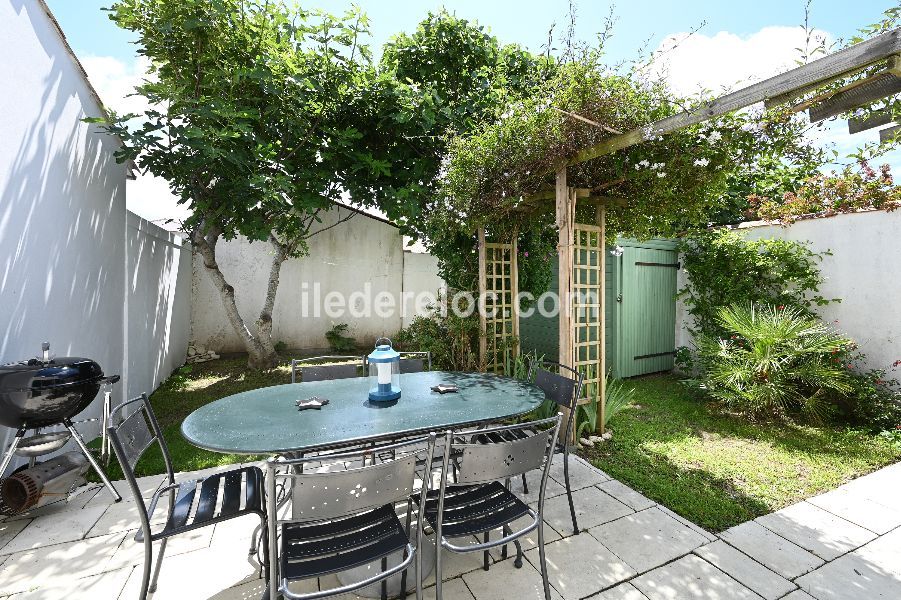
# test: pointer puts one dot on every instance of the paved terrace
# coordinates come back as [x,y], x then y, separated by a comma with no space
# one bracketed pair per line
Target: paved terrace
[845,544]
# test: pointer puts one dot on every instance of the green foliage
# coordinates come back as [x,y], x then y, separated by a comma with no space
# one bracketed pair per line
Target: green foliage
[451,339]
[280,346]
[246,117]
[874,400]
[338,341]
[724,268]
[618,396]
[773,361]
[672,182]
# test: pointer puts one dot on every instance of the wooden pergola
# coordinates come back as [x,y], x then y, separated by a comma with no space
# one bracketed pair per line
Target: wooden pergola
[580,247]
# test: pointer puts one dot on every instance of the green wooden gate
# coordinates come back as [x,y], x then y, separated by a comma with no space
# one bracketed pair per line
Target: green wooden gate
[645,325]
[645,307]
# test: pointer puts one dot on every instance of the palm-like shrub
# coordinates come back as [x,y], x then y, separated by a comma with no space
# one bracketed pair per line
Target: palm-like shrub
[773,360]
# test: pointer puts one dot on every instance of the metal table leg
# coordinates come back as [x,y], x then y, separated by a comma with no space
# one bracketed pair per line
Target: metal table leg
[78,440]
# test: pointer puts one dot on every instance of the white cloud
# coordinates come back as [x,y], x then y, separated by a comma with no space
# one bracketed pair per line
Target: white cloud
[727,61]
[115,82]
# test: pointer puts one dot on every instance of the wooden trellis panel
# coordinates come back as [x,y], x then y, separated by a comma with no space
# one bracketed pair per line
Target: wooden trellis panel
[501,321]
[587,306]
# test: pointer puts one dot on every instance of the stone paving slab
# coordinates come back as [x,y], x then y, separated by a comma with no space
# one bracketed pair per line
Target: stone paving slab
[593,507]
[647,539]
[66,526]
[626,495]
[745,570]
[58,565]
[621,554]
[854,504]
[624,591]
[775,552]
[688,578]
[533,479]
[96,587]
[799,595]
[597,567]
[581,473]
[816,530]
[506,581]
[871,572]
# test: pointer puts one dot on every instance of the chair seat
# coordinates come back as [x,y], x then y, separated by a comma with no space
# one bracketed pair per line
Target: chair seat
[473,509]
[313,550]
[245,483]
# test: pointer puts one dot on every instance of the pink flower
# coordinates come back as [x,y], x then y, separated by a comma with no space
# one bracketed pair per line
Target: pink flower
[526,254]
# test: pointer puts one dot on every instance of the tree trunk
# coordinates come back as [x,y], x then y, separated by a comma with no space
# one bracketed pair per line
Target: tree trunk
[260,350]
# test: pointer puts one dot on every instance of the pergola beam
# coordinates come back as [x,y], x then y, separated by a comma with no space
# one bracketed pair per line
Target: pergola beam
[875,119]
[780,88]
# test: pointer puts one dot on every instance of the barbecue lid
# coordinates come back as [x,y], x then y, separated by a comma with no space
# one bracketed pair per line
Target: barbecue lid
[36,375]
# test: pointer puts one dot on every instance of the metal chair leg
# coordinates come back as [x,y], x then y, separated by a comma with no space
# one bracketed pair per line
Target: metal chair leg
[485,553]
[518,561]
[543,559]
[159,563]
[148,563]
[569,492]
[384,581]
[525,485]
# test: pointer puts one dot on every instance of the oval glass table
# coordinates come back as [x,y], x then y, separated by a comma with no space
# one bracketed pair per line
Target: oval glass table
[267,421]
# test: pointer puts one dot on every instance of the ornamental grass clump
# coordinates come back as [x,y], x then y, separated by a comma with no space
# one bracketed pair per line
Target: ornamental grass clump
[773,361]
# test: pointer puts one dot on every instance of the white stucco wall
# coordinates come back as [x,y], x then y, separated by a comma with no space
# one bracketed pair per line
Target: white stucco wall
[70,267]
[357,259]
[420,275]
[863,271]
[62,203]
[159,304]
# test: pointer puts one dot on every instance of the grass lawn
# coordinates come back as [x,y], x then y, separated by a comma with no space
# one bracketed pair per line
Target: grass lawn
[715,469]
[189,388]
[718,470]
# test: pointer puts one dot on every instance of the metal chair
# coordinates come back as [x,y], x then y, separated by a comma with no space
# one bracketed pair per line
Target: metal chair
[410,362]
[476,502]
[192,504]
[310,371]
[346,519]
[565,391]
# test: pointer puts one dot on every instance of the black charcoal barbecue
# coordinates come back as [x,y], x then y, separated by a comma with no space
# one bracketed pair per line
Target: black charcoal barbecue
[47,391]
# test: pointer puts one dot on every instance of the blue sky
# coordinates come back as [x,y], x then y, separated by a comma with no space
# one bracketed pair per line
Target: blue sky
[740,42]
[526,22]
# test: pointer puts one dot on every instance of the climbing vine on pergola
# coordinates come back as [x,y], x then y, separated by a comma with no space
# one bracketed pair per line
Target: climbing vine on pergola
[602,153]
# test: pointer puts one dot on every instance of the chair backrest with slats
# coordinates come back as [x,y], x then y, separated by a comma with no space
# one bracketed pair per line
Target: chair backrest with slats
[412,365]
[563,387]
[134,434]
[522,450]
[310,371]
[318,496]
[495,461]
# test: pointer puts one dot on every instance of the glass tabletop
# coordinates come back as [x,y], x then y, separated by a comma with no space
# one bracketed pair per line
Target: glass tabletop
[267,421]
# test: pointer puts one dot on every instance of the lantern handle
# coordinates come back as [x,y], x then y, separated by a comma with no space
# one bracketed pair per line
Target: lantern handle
[383,338]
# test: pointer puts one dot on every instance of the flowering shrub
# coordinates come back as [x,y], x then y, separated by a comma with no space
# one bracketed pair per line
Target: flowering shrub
[828,195]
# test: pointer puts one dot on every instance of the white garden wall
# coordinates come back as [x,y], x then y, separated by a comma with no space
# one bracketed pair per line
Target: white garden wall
[357,260]
[75,269]
[863,271]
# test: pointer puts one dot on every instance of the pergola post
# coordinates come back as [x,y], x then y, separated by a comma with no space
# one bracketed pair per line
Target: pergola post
[601,217]
[565,210]
[514,292]
[482,301]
